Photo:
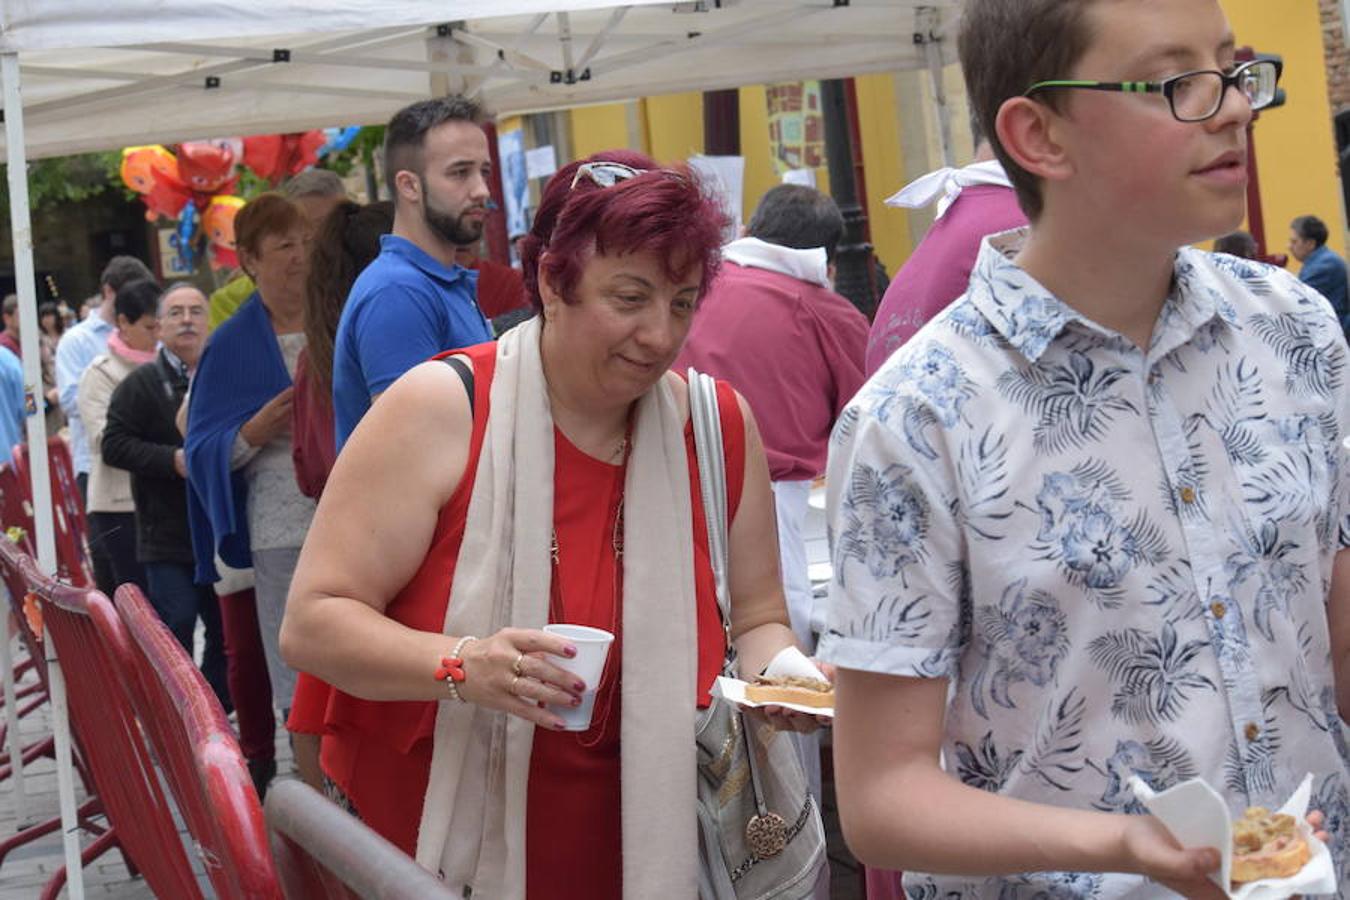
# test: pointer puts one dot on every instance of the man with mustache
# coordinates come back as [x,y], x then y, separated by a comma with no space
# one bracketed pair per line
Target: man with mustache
[414,301]
[142,438]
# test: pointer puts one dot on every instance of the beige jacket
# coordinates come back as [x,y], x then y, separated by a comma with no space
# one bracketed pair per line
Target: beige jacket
[109,488]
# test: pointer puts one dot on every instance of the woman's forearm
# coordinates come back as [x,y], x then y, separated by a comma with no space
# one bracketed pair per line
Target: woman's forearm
[759,645]
[361,651]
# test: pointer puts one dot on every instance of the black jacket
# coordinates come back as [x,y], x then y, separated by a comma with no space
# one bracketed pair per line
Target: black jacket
[141,437]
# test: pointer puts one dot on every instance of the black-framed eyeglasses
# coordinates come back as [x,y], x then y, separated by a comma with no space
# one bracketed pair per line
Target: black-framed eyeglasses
[605,174]
[1194,96]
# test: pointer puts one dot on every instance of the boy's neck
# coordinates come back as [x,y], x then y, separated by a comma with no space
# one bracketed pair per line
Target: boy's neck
[1103,275]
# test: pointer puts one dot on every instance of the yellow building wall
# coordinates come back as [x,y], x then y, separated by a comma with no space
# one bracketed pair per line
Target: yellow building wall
[883,168]
[1295,144]
[760,175]
[596,128]
[672,126]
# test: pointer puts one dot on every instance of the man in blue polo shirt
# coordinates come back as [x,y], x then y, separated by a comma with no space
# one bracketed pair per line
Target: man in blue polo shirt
[413,301]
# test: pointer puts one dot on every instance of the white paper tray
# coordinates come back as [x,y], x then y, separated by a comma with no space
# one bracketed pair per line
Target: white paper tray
[733,690]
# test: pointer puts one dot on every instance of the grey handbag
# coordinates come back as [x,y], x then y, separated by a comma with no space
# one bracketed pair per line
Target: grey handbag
[760,832]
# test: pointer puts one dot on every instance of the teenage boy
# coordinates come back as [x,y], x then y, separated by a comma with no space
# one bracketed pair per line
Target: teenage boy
[1089,523]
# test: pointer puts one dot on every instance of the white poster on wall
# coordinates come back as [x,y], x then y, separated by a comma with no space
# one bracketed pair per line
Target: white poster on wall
[541,162]
[515,182]
[724,177]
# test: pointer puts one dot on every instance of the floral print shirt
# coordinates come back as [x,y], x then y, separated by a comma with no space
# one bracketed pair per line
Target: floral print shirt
[1120,559]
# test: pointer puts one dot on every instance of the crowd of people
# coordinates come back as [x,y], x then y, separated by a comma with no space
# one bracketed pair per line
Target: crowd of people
[1087,507]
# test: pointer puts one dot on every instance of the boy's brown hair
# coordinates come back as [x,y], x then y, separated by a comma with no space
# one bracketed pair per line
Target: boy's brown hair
[1006,46]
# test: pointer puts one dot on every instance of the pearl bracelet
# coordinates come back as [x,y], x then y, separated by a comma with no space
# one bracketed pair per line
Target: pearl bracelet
[451,684]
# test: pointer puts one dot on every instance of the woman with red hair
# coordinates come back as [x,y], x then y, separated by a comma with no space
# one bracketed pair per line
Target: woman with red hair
[547,477]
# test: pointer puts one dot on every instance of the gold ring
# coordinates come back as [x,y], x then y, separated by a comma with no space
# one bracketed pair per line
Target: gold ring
[511,689]
[516,667]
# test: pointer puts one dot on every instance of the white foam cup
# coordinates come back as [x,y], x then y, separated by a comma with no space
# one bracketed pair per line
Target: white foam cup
[589,664]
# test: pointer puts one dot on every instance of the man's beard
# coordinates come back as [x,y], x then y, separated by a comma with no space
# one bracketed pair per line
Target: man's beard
[454,229]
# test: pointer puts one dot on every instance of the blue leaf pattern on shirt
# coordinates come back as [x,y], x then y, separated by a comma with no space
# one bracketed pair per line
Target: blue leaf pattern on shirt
[1152,673]
[1025,637]
[888,519]
[1074,403]
[1159,763]
[1051,886]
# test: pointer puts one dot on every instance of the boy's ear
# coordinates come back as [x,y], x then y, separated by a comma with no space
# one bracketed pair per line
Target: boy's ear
[1030,134]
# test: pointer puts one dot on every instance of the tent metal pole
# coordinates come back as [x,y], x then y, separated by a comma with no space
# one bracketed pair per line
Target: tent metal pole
[928,33]
[12,725]
[29,331]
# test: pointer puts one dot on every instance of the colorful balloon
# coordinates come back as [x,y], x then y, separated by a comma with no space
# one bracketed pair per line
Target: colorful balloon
[338,139]
[184,238]
[278,156]
[206,167]
[152,172]
[218,226]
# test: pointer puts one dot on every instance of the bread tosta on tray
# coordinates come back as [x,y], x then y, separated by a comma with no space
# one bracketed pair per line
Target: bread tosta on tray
[1266,845]
[790,689]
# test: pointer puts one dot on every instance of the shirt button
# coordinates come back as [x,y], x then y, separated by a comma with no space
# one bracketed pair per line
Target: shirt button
[1188,494]
[1218,609]
[1153,377]
[1253,731]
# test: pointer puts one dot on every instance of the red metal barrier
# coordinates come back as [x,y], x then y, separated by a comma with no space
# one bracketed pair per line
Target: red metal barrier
[16,510]
[84,628]
[43,747]
[198,752]
[322,851]
[72,530]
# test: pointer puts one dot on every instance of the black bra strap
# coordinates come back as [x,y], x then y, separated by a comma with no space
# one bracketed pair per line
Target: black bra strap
[465,375]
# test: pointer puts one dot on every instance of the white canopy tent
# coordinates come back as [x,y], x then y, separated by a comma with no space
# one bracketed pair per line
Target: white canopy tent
[169,70]
[81,75]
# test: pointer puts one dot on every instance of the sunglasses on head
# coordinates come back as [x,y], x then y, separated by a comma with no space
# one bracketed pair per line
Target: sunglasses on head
[605,174]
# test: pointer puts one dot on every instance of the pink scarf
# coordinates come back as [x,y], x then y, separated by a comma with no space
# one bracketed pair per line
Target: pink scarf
[130,354]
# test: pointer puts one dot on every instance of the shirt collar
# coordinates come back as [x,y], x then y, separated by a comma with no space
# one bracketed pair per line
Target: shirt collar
[424,261]
[174,362]
[1030,317]
[96,322]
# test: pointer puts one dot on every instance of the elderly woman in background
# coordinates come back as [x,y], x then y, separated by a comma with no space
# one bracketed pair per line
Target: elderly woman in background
[243,500]
[417,554]
[112,511]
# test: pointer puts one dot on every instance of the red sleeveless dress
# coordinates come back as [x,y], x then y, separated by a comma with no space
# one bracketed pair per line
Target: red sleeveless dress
[379,754]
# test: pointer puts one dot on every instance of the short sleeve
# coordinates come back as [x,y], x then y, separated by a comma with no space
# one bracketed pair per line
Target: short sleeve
[898,602]
[398,328]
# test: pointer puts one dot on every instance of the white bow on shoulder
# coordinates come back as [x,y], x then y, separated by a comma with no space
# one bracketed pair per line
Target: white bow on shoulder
[947,184]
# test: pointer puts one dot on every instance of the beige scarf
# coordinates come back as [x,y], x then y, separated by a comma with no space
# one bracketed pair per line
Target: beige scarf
[473,817]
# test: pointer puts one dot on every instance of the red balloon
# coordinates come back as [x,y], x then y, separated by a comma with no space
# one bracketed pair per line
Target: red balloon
[278,156]
[205,166]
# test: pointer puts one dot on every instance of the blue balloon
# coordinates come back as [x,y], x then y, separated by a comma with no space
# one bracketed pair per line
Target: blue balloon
[183,239]
[339,139]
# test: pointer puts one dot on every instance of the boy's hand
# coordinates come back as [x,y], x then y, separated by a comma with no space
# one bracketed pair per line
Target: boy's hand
[1317,820]
[1151,850]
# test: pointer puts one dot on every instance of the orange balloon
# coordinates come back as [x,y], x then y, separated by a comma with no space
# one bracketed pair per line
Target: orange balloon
[142,166]
[218,220]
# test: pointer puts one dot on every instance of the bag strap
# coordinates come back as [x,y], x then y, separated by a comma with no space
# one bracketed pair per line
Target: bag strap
[465,375]
[712,479]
